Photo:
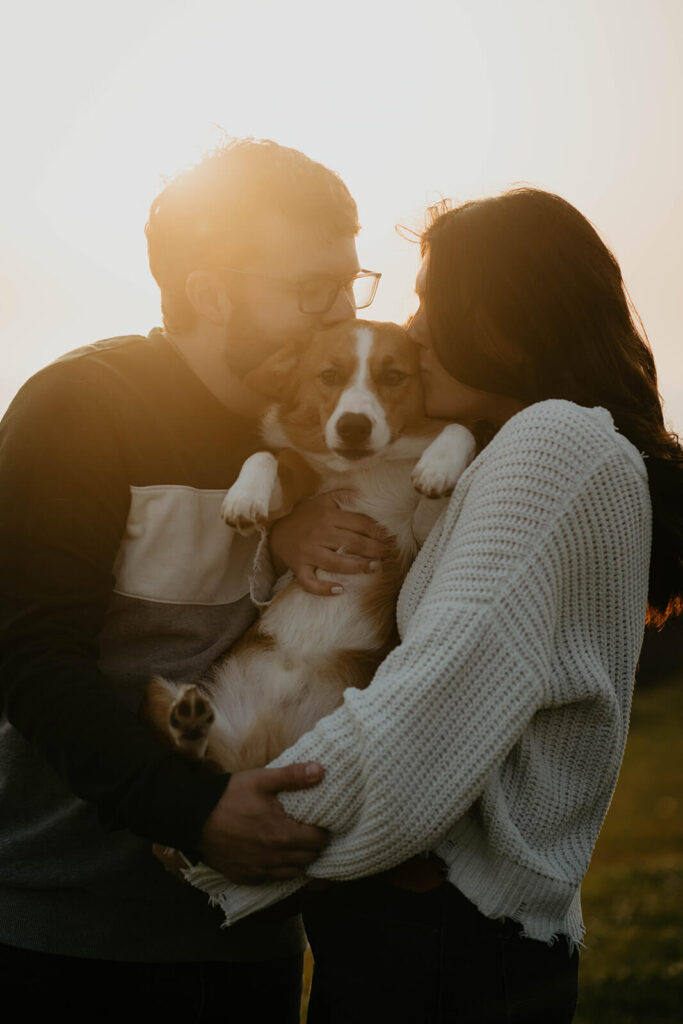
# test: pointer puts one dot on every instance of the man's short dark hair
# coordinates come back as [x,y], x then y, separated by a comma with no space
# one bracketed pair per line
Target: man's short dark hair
[207,216]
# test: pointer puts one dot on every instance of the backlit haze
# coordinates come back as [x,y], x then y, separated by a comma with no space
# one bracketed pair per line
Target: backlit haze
[407,101]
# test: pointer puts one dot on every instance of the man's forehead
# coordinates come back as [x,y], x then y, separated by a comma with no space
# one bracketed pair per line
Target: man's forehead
[299,251]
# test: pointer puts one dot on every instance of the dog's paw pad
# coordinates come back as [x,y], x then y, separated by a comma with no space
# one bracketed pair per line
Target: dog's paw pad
[246,505]
[433,481]
[443,462]
[190,719]
[243,514]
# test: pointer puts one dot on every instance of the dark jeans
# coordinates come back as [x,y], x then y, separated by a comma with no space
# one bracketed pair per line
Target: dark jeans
[383,953]
[49,987]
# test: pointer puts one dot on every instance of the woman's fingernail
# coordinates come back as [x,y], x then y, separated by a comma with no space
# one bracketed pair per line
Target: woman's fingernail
[374,566]
[337,590]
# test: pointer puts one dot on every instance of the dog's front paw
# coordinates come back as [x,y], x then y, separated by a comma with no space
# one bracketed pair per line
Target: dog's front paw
[246,506]
[243,513]
[440,465]
[190,718]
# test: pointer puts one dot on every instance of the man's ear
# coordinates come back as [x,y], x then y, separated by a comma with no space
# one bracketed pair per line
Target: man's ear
[276,376]
[207,295]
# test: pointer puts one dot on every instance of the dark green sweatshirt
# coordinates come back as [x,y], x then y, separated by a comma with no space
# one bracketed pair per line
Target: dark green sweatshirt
[114,565]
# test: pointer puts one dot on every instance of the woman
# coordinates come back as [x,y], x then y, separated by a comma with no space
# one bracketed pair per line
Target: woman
[494,733]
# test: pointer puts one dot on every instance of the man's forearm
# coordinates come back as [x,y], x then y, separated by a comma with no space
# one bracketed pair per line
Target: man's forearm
[67,711]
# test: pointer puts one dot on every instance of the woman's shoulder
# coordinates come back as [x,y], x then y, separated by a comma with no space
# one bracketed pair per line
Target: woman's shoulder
[560,417]
[562,429]
[553,447]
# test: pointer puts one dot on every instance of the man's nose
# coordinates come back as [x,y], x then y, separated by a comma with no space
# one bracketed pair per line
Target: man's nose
[343,308]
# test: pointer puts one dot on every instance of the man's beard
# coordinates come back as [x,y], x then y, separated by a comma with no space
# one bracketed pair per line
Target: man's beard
[246,344]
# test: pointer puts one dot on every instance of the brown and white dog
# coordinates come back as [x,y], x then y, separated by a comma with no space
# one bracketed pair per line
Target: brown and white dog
[348,414]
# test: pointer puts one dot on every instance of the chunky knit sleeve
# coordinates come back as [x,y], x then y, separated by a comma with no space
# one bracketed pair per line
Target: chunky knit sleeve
[479,616]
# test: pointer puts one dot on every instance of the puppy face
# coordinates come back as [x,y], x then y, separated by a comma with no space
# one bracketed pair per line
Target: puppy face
[351,391]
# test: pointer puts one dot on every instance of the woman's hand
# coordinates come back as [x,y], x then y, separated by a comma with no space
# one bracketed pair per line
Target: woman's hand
[311,537]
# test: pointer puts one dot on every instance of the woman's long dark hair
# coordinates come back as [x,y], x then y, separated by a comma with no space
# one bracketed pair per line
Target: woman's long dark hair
[524,299]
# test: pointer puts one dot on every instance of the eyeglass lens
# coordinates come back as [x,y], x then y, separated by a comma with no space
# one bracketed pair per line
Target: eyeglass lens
[319,296]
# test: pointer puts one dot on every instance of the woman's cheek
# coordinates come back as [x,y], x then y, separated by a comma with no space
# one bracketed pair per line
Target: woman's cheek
[441,393]
[449,399]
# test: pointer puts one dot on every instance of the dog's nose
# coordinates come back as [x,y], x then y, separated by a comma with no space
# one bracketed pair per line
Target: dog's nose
[353,428]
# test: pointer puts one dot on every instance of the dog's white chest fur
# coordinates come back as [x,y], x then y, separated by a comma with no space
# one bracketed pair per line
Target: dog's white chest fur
[314,628]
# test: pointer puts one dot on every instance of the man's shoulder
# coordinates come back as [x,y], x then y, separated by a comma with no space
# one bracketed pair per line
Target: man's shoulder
[92,372]
[97,350]
[109,355]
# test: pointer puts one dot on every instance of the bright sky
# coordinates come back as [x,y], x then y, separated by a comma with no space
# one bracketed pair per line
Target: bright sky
[407,101]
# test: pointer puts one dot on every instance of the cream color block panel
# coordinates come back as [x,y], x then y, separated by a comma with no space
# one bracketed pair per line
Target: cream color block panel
[177,549]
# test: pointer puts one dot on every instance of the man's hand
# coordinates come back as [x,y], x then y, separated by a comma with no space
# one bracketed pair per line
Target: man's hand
[311,537]
[249,838]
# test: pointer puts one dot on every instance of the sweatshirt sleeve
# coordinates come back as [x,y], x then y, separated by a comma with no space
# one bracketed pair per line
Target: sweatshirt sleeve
[63,506]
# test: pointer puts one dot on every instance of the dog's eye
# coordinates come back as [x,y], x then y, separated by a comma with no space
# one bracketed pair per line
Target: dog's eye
[330,376]
[392,378]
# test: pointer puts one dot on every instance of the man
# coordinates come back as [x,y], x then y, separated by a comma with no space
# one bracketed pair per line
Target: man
[115,565]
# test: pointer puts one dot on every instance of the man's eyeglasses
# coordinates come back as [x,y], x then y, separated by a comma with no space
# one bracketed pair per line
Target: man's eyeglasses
[319,294]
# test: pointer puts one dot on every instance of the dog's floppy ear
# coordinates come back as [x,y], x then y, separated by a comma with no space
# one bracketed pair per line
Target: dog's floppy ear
[276,377]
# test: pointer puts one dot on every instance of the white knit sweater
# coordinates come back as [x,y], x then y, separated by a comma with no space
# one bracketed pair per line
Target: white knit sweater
[494,733]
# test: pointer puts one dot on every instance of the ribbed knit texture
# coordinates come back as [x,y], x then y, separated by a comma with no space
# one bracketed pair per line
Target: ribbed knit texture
[494,733]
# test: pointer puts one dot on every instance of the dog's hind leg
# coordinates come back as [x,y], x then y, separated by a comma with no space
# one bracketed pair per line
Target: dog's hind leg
[181,715]
[190,719]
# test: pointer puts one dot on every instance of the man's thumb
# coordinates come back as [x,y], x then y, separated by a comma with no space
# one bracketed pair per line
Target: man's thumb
[293,776]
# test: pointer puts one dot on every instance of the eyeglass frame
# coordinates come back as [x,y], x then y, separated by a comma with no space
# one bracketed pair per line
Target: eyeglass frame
[376,275]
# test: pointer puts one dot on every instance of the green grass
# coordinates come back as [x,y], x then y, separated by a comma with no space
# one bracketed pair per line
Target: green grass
[631,970]
[632,967]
